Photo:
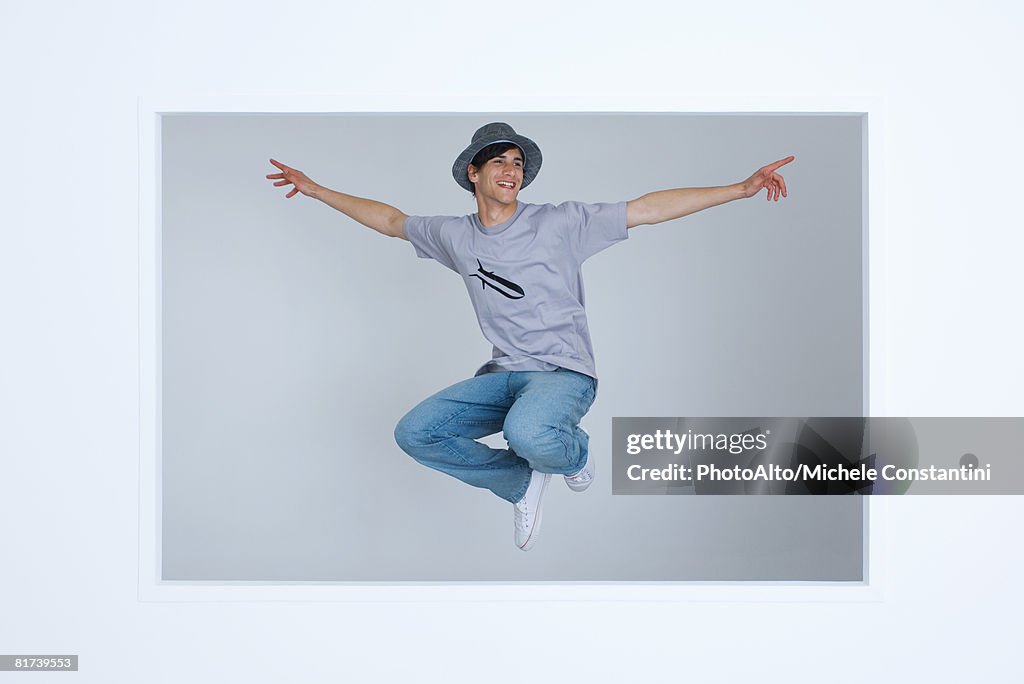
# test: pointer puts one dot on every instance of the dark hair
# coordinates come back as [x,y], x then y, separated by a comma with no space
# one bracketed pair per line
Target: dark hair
[490,152]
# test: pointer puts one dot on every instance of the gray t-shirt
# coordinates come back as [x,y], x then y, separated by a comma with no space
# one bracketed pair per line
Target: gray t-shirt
[524,277]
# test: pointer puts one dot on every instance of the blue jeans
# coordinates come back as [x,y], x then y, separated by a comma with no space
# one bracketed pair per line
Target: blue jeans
[539,412]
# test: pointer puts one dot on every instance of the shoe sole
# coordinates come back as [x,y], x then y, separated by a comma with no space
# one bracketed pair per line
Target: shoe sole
[535,532]
[579,488]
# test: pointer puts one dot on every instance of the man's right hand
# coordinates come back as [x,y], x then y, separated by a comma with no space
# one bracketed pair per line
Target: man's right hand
[383,218]
[290,176]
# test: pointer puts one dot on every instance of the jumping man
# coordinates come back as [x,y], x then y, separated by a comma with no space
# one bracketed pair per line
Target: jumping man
[521,265]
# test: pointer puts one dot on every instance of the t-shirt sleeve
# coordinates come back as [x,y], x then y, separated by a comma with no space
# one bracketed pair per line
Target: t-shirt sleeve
[427,235]
[593,227]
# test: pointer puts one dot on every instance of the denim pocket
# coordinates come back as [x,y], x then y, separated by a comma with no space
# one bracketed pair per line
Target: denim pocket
[588,383]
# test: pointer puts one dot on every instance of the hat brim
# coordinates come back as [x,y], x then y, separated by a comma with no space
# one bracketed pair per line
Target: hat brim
[531,165]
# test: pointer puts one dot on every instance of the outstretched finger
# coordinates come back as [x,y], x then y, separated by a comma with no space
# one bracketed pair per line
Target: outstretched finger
[782,162]
[292,193]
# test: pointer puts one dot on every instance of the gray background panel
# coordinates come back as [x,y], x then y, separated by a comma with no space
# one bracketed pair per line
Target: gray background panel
[293,339]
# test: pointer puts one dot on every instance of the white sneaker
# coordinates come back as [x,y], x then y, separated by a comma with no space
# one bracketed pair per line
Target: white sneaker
[526,513]
[578,482]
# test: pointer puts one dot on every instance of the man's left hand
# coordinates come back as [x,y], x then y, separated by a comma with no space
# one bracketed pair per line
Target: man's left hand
[765,177]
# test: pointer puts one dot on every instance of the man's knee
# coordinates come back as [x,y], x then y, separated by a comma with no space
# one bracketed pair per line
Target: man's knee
[412,433]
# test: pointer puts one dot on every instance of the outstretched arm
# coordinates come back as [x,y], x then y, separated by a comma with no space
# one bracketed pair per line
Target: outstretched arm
[383,218]
[665,205]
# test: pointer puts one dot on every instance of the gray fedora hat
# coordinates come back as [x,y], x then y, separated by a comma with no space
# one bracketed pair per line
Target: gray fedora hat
[494,133]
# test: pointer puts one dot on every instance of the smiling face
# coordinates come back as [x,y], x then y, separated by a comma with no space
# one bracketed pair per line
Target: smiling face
[500,178]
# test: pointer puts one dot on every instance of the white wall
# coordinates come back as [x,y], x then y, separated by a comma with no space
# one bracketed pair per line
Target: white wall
[946,333]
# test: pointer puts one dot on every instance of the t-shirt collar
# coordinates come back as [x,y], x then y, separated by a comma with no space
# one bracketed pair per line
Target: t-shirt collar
[494,230]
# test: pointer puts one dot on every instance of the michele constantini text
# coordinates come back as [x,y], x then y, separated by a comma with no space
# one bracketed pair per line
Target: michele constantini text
[821,473]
